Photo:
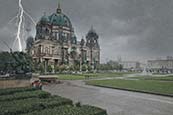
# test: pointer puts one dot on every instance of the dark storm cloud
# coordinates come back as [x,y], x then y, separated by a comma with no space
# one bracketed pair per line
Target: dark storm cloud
[127,28]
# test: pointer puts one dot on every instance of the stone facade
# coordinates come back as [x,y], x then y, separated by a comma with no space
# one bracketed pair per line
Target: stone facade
[130,65]
[56,44]
[161,65]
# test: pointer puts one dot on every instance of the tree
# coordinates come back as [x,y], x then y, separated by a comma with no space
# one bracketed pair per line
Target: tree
[62,68]
[120,67]
[84,68]
[15,61]
[89,68]
[76,67]
[71,68]
[49,68]
[57,68]
[41,68]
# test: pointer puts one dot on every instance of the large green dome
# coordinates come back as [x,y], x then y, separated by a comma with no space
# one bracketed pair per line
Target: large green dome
[56,19]
[59,19]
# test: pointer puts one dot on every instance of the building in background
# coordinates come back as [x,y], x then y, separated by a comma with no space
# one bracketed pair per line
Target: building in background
[161,65]
[131,65]
[56,43]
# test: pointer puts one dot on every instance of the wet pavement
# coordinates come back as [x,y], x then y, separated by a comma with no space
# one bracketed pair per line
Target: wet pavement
[116,102]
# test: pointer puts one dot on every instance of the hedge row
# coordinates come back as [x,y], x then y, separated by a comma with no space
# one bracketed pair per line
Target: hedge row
[93,110]
[17,107]
[70,110]
[24,95]
[15,90]
[30,101]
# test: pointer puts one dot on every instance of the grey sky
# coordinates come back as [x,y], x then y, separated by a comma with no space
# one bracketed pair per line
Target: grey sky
[132,29]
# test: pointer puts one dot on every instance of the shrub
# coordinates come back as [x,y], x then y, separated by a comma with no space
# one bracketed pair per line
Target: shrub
[24,95]
[62,68]
[57,68]
[49,68]
[84,68]
[17,107]
[15,90]
[41,68]
[70,110]
[89,68]
[78,104]
[29,101]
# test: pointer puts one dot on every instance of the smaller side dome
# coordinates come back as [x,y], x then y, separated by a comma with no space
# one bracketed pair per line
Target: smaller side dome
[92,33]
[44,19]
[74,39]
[82,43]
[92,38]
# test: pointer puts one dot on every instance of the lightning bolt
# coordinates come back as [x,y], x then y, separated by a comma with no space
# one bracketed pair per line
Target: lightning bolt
[20,23]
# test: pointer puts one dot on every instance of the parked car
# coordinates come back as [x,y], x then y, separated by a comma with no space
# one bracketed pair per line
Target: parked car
[37,84]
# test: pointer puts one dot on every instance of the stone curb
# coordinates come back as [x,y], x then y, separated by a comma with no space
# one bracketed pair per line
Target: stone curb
[133,90]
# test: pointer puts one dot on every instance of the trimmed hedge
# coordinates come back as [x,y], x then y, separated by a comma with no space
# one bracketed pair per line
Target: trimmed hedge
[70,110]
[93,110]
[17,107]
[15,90]
[24,95]
[29,101]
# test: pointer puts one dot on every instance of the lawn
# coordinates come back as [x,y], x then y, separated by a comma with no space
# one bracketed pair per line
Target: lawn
[91,76]
[159,78]
[154,86]
[71,77]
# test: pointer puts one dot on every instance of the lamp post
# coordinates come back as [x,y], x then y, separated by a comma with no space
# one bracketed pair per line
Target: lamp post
[80,64]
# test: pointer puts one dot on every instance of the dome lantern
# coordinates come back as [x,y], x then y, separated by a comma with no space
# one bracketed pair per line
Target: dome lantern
[59,8]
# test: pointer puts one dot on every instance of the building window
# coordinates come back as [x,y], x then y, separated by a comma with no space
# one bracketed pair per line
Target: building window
[54,35]
[46,50]
[57,35]
[64,35]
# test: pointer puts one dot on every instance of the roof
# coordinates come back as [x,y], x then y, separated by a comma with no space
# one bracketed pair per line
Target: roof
[57,18]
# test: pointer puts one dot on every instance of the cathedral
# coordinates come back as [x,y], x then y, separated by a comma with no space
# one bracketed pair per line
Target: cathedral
[56,44]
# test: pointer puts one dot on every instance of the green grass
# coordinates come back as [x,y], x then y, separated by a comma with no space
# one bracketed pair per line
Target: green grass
[91,76]
[71,77]
[159,78]
[154,86]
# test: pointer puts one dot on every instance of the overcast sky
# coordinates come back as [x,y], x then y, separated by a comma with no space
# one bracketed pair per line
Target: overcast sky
[132,29]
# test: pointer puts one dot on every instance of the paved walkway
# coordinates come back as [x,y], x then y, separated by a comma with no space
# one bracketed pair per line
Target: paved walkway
[116,102]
